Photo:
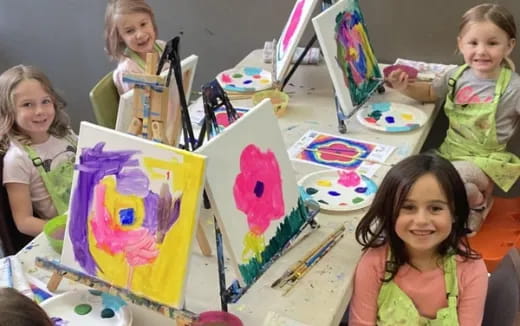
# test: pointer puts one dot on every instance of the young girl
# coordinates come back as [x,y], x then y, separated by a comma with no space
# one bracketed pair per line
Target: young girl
[417,267]
[131,33]
[482,103]
[39,148]
[17,309]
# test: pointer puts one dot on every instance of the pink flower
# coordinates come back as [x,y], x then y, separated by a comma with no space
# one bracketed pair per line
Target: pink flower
[258,188]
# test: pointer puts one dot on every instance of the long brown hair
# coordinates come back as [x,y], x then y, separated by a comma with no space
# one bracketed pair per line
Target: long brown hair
[377,227]
[17,309]
[496,14]
[114,44]
[11,78]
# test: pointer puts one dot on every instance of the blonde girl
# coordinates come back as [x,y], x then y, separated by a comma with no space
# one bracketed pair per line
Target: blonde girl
[482,103]
[38,146]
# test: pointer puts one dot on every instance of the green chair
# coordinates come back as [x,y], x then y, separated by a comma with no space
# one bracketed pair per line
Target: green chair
[105,101]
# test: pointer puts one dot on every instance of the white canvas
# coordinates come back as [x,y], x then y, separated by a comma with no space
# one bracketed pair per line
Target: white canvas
[126,101]
[251,185]
[133,213]
[291,35]
[354,71]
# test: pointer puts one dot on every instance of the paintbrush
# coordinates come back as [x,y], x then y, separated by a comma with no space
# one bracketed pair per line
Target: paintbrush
[304,268]
[341,154]
[282,280]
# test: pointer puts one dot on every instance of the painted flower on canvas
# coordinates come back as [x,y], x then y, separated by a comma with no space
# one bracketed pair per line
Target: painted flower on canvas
[258,193]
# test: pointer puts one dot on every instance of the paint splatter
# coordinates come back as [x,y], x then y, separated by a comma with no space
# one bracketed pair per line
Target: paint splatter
[311,191]
[237,75]
[251,71]
[83,309]
[334,193]
[357,200]
[323,202]
[226,78]
[360,190]
[58,321]
[407,116]
[349,179]
[324,183]
[247,82]
[381,106]
[107,313]
[390,119]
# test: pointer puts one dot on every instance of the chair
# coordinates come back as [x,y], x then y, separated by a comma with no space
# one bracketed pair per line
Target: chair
[105,101]
[503,297]
[12,240]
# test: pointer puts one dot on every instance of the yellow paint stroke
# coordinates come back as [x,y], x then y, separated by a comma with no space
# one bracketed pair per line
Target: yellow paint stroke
[162,280]
[254,245]
[324,183]
[407,116]
[370,57]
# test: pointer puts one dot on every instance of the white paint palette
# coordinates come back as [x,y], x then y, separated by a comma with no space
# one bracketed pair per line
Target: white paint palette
[339,191]
[391,117]
[97,308]
[245,79]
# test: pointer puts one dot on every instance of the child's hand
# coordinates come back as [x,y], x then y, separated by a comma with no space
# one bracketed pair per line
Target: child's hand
[398,79]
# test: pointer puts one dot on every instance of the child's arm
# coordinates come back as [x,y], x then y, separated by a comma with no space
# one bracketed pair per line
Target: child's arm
[418,90]
[21,208]
[473,283]
[367,283]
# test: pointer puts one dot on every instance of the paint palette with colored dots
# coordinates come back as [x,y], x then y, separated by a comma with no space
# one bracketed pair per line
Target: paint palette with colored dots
[340,191]
[87,308]
[245,80]
[391,117]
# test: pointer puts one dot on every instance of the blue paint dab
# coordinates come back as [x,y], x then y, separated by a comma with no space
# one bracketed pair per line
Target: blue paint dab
[126,216]
[390,119]
[382,106]
[398,128]
[361,190]
[250,71]
[334,193]
[323,202]
[371,185]
[259,189]
[246,82]
[112,302]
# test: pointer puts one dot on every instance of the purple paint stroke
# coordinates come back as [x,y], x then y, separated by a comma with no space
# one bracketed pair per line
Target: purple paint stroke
[133,182]
[94,164]
[151,203]
[168,212]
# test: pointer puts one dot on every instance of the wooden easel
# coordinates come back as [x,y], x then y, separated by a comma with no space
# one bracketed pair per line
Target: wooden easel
[149,117]
[182,317]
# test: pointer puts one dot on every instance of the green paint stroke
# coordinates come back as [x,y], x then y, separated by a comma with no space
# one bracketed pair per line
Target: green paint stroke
[284,233]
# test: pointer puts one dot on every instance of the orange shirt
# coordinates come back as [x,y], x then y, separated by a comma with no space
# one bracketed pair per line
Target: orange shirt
[426,289]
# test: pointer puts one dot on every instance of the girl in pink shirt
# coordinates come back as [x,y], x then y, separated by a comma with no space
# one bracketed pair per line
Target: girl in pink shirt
[417,267]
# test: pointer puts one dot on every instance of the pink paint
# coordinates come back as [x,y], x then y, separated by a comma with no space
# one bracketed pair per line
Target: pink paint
[258,188]
[370,120]
[293,24]
[349,179]
[138,246]
[221,318]
[226,78]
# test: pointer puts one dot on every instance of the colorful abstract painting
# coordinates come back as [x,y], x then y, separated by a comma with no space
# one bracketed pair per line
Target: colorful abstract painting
[340,152]
[133,212]
[253,190]
[291,35]
[349,56]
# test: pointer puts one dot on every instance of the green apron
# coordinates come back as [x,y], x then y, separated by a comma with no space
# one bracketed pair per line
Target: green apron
[58,181]
[137,59]
[394,307]
[472,137]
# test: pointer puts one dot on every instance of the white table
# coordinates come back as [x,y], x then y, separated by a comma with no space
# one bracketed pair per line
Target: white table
[321,296]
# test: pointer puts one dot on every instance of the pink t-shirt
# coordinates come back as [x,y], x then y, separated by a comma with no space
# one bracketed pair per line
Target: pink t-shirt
[426,289]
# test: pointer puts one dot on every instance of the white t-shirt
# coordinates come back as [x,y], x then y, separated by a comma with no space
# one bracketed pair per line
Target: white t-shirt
[18,168]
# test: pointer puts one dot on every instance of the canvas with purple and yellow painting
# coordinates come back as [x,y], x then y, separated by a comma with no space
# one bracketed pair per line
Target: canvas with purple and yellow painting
[347,51]
[253,190]
[133,212]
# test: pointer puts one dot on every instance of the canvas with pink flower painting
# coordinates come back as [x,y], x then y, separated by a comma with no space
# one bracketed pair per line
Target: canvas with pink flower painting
[291,35]
[133,213]
[350,59]
[253,190]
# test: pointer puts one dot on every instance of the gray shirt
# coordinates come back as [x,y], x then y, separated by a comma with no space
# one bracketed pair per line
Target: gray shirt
[473,89]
